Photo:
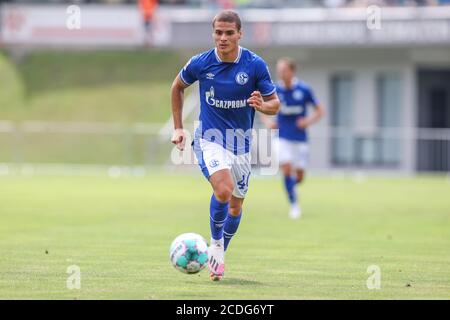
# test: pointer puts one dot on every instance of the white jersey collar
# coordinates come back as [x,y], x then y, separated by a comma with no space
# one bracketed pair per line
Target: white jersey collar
[238,58]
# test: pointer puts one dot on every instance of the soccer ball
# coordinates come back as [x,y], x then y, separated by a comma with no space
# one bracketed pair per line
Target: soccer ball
[189,253]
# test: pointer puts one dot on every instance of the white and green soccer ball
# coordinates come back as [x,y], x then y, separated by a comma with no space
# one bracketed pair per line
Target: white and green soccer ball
[189,253]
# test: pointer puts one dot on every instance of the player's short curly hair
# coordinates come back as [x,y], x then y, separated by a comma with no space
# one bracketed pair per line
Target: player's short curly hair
[228,16]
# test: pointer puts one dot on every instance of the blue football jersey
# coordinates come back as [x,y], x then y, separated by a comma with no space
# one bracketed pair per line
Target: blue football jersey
[294,103]
[225,115]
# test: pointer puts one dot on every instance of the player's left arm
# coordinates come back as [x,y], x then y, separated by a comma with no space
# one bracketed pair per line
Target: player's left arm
[316,115]
[265,104]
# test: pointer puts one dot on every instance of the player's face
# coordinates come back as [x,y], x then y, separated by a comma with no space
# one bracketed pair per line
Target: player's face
[284,72]
[226,37]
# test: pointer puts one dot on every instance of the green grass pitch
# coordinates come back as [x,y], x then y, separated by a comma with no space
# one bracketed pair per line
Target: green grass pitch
[118,232]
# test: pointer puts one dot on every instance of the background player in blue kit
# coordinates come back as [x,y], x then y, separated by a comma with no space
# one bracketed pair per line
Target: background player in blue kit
[234,83]
[292,122]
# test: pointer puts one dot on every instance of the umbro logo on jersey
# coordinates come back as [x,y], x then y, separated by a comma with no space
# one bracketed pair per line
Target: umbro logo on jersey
[210,76]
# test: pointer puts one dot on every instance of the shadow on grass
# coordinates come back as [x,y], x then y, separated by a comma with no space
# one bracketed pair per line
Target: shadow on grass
[240,282]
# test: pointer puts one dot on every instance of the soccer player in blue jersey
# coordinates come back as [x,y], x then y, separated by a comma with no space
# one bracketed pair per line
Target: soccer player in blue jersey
[292,122]
[234,83]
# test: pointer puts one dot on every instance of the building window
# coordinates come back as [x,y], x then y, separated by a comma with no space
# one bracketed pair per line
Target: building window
[383,147]
[343,145]
[389,92]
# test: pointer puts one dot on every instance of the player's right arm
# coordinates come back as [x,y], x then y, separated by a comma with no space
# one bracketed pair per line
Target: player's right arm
[186,77]
[177,99]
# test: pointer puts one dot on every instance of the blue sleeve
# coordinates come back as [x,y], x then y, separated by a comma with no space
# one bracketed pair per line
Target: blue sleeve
[189,73]
[263,81]
[312,98]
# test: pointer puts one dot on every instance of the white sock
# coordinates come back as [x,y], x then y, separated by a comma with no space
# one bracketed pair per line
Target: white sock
[219,242]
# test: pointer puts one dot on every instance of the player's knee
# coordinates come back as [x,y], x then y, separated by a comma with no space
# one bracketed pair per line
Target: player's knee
[286,169]
[235,210]
[223,193]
